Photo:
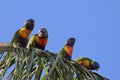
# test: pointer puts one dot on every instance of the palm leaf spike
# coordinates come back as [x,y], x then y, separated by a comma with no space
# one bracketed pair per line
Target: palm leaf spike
[53,66]
[38,70]
[7,62]
[29,63]
[17,64]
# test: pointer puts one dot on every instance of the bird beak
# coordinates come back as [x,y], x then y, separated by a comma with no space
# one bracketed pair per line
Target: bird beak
[40,34]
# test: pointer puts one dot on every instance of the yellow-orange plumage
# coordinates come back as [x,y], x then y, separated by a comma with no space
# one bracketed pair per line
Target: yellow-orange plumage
[22,35]
[88,63]
[85,63]
[69,50]
[24,32]
[41,41]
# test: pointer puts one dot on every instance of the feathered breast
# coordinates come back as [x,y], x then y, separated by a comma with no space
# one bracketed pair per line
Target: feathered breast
[41,41]
[25,33]
[69,50]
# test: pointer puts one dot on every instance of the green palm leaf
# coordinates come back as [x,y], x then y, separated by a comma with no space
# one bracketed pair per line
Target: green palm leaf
[41,65]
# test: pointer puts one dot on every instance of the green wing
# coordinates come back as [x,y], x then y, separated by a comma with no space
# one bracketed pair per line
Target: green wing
[31,43]
[83,58]
[15,37]
[62,52]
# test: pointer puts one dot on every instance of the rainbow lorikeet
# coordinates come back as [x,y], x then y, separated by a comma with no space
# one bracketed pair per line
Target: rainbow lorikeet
[21,37]
[88,63]
[67,51]
[39,40]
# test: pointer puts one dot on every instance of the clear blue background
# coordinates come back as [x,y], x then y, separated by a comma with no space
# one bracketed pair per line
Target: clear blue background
[94,23]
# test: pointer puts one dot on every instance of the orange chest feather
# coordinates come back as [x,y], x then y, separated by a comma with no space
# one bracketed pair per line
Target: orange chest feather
[25,33]
[69,50]
[40,41]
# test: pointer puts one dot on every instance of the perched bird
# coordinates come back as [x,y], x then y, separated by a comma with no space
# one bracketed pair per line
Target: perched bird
[67,51]
[22,36]
[88,63]
[39,40]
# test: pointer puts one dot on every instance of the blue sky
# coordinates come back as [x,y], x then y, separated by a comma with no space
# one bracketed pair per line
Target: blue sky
[94,23]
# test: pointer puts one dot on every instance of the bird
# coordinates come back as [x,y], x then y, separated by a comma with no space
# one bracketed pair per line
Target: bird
[88,63]
[22,35]
[39,40]
[67,50]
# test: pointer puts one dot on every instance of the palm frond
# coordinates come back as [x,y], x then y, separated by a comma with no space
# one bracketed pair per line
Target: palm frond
[41,65]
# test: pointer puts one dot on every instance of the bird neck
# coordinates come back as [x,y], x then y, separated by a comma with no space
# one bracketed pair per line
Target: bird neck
[24,32]
[69,50]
